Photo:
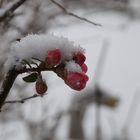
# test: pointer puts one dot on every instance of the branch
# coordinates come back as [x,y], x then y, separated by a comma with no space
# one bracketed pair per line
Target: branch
[7,84]
[23,100]
[58,69]
[9,81]
[11,76]
[11,9]
[35,69]
[74,15]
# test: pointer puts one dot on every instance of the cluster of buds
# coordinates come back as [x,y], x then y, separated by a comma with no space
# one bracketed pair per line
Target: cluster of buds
[75,80]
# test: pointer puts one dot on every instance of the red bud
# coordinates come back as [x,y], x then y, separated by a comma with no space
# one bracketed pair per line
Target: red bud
[79,58]
[53,58]
[41,87]
[75,80]
[84,67]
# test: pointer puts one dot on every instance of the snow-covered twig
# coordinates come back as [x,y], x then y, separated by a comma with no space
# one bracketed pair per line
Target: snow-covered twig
[8,11]
[74,15]
[23,100]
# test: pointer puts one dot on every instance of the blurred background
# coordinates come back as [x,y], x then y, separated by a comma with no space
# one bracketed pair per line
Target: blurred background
[108,108]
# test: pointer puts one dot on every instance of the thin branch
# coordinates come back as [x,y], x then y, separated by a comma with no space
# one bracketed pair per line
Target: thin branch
[11,9]
[23,100]
[74,15]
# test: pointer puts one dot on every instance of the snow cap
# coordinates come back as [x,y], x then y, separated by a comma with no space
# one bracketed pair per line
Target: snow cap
[37,46]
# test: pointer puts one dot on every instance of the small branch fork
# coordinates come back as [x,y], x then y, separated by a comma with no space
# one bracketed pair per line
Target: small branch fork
[11,77]
[23,100]
[74,15]
[9,11]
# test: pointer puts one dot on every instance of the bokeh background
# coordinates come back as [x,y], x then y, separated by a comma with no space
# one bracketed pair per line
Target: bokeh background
[108,108]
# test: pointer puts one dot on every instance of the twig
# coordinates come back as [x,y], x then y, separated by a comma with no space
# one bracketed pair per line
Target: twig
[74,15]
[11,9]
[23,100]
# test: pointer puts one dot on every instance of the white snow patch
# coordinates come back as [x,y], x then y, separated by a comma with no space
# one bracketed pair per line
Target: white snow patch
[37,46]
[71,66]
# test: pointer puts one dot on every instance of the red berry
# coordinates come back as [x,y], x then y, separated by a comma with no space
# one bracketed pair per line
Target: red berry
[53,58]
[84,67]
[41,87]
[79,58]
[75,80]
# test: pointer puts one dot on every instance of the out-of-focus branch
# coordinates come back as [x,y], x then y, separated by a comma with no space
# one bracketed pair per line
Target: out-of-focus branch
[101,61]
[74,15]
[9,11]
[23,100]
[1,2]
[131,115]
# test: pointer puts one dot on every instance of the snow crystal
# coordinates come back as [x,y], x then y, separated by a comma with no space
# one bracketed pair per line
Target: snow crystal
[71,66]
[37,46]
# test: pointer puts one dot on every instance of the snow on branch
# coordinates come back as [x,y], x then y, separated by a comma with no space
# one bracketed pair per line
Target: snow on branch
[74,15]
[44,52]
[37,46]
[8,11]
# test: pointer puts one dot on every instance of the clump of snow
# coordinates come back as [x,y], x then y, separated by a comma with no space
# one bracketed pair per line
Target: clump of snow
[37,46]
[71,66]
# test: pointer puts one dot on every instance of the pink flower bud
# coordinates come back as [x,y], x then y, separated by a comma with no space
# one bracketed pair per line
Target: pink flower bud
[84,67]
[79,58]
[53,58]
[75,80]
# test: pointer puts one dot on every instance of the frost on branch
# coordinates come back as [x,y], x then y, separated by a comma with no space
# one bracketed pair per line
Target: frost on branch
[36,53]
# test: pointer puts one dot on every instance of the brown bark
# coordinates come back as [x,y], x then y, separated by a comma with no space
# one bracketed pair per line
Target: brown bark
[6,85]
